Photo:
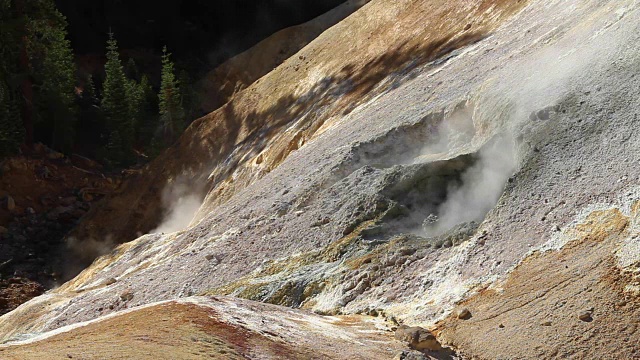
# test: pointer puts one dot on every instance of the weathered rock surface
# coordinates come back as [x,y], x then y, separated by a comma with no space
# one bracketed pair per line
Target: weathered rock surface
[213,328]
[417,338]
[237,73]
[511,127]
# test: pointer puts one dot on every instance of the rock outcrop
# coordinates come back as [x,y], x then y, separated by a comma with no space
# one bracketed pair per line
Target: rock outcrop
[415,160]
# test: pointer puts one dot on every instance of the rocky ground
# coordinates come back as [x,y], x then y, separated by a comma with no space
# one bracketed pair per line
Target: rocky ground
[468,176]
[216,328]
[43,196]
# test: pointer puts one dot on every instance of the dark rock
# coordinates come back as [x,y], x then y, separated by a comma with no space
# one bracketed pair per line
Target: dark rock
[417,338]
[463,314]
[586,315]
[127,295]
[410,355]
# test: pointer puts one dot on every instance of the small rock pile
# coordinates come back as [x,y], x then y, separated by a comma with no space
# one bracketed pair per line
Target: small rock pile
[15,291]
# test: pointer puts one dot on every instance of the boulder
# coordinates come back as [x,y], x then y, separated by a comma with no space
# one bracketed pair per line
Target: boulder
[463,314]
[586,315]
[418,338]
[410,355]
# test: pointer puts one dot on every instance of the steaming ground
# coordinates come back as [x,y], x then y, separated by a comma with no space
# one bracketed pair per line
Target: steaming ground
[180,204]
[531,130]
[481,187]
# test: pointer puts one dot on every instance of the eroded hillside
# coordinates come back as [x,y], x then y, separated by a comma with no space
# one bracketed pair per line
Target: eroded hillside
[465,166]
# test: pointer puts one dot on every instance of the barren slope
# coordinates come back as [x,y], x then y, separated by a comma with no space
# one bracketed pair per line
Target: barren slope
[251,135]
[216,328]
[477,154]
[220,84]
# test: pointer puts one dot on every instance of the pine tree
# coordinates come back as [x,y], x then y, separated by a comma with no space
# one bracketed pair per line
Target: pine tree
[116,106]
[91,130]
[33,36]
[171,110]
[135,98]
[131,70]
[89,93]
[11,129]
[54,69]
[148,120]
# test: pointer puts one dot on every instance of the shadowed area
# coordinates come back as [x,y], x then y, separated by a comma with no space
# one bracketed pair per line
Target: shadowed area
[245,137]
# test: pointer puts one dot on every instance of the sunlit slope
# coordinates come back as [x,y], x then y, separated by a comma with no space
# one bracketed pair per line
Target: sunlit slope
[497,172]
[251,135]
[214,328]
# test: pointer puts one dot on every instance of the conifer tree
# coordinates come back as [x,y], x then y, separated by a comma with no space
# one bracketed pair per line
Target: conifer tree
[33,36]
[11,130]
[11,134]
[91,129]
[116,106]
[131,70]
[89,93]
[148,120]
[171,110]
[53,69]
[135,98]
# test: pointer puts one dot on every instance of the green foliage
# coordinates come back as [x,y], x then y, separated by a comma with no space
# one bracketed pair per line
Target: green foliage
[148,120]
[38,29]
[89,93]
[91,130]
[131,70]
[117,105]
[36,57]
[53,71]
[11,131]
[171,111]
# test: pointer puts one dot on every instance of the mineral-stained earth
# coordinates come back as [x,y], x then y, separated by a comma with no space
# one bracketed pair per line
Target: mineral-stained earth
[423,179]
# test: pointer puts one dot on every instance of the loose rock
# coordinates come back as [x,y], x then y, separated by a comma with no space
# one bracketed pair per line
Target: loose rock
[410,355]
[586,316]
[126,296]
[464,314]
[417,338]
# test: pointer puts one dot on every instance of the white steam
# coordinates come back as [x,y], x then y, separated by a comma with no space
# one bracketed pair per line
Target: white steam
[482,185]
[180,204]
[455,131]
[503,107]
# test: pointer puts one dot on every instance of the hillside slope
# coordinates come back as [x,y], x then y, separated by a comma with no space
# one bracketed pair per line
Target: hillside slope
[219,328]
[237,73]
[462,155]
